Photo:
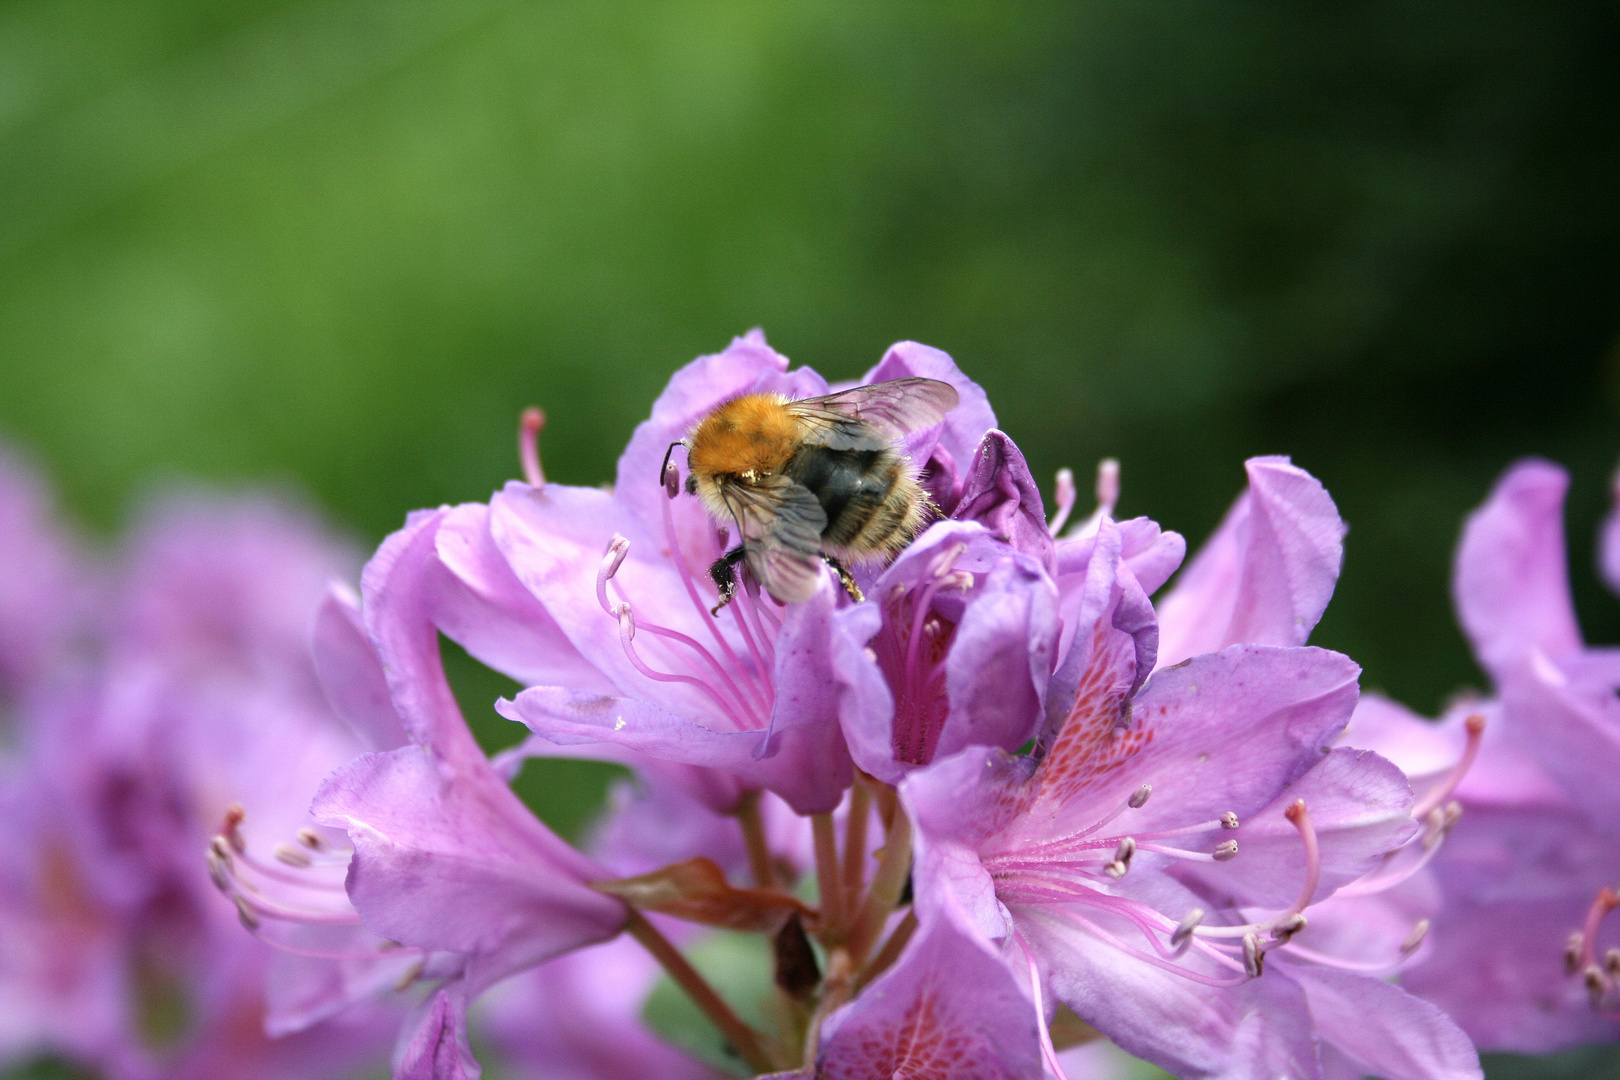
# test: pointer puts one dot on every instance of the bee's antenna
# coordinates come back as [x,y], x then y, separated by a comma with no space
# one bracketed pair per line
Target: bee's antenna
[663,471]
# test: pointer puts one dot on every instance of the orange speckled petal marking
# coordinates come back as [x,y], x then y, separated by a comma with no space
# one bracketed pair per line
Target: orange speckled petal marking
[924,1045]
[1098,736]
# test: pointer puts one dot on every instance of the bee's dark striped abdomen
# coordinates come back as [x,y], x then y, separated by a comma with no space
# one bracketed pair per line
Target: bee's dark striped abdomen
[849,484]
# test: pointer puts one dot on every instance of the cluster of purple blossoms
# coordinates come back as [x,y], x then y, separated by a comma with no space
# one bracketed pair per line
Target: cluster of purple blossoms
[1527,876]
[146,698]
[988,816]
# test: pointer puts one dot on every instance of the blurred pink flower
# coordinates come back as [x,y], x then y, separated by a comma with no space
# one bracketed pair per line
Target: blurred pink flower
[201,696]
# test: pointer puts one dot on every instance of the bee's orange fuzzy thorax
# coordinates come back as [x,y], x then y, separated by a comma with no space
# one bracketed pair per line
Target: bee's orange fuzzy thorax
[752,434]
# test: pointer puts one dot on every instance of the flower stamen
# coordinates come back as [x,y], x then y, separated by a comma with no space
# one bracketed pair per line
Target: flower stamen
[1475,727]
[1157,961]
[627,636]
[1224,851]
[1136,801]
[1597,984]
[1254,957]
[1580,952]
[1420,931]
[1121,861]
[743,711]
[1063,495]
[1182,936]
[762,650]
[293,857]
[1301,820]
[529,428]
[1048,1051]
[1574,949]
[758,677]
[1188,830]
[230,863]
[1439,822]
[1107,496]
[612,559]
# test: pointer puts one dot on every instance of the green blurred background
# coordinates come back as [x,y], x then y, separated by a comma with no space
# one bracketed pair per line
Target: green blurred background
[341,243]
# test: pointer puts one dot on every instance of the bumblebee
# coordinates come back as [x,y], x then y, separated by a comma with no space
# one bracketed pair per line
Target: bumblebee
[812,482]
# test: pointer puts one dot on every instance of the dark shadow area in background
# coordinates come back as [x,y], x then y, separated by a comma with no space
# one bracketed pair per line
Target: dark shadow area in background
[48,1069]
[1591,1063]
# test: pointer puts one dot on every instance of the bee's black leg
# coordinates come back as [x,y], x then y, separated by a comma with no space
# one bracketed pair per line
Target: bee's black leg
[724,575]
[844,577]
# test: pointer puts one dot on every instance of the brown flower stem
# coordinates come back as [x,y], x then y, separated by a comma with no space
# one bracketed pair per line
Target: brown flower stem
[753,830]
[890,952]
[742,1038]
[829,881]
[860,811]
[893,866]
[887,802]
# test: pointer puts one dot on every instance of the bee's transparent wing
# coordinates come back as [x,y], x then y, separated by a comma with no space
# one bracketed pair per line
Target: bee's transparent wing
[781,523]
[893,407]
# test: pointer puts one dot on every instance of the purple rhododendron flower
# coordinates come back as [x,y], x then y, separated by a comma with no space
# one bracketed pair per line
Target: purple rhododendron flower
[1265,576]
[1030,801]
[1558,695]
[967,622]
[1077,852]
[444,861]
[579,1017]
[962,628]
[1517,872]
[200,698]
[1536,842]
[948,1008]
[752,691]
[981,808]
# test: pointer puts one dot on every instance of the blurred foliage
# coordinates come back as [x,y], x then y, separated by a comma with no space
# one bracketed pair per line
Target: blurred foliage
[739,966]
[343,242]
[1588,1063]
[47,1069]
